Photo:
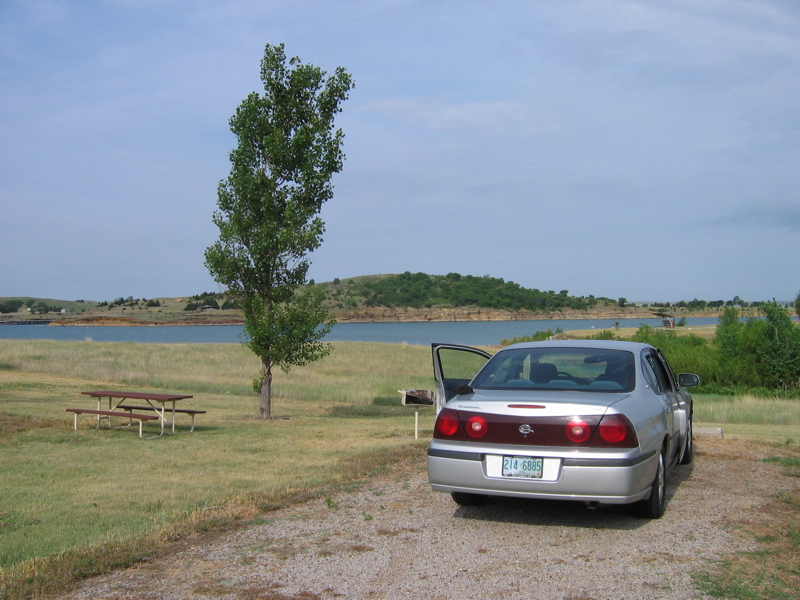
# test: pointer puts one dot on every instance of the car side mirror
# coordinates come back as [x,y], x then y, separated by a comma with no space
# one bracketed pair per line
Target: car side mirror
[688,380]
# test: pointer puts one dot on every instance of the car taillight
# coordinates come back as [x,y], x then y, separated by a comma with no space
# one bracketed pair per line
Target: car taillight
[613,430]
[578,431]
[477,427]
[617,431]
[447,424]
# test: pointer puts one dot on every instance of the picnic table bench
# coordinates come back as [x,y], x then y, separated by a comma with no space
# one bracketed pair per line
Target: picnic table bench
[116,408]
[109,413]
[184,411]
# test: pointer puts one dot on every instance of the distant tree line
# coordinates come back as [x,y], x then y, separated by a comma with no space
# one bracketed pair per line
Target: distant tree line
[130,302]
[208,300]
[34,306]
[698,305]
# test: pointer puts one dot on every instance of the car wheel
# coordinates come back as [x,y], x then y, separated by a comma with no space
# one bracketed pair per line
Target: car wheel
[688,448]
[653,507]
[464,499]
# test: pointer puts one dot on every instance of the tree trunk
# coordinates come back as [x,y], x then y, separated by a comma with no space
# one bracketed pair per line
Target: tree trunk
[265,395]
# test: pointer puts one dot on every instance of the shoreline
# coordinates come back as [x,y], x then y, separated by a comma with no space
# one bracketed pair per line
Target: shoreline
[379,315]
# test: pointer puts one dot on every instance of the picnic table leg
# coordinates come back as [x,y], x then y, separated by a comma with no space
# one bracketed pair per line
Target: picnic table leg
[173,417]
[159,412]
[130,420]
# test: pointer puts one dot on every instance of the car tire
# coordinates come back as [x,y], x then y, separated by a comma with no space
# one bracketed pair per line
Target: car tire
[653,507]
[464,499]
[688,448]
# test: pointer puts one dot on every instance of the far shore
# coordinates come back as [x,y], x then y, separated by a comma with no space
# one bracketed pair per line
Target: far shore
[372,315]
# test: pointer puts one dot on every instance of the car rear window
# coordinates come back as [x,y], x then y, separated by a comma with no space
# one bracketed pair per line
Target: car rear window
[576,369]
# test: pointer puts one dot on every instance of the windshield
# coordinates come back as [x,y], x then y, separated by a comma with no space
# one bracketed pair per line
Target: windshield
[579,369]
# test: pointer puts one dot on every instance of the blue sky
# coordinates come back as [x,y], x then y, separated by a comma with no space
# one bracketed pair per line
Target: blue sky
[640,149]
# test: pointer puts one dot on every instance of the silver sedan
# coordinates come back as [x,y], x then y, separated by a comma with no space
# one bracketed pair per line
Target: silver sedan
[594,421]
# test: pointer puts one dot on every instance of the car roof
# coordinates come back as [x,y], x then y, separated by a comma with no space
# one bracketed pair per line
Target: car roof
[599,344]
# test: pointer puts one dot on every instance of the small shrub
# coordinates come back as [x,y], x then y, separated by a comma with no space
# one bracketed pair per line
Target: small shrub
[539,336]
[606,334]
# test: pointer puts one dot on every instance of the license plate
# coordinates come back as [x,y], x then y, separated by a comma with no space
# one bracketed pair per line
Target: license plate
[522,466]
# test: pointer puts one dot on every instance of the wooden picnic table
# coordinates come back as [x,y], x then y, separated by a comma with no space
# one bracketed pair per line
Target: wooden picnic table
[157,403]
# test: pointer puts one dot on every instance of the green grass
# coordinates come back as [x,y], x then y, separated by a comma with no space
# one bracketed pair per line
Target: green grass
[747,409]
[772,420]
[109,496]
[791,464]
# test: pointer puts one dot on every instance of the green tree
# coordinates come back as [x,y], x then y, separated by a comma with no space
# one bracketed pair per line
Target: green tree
[729,335]
[781,351]
[11,306]
[797,304]
[738,345]
[268,211]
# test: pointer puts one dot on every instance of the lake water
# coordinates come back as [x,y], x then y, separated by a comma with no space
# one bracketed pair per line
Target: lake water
[473,333]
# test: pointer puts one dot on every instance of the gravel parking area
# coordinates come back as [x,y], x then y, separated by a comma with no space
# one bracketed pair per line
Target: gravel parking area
[394,538]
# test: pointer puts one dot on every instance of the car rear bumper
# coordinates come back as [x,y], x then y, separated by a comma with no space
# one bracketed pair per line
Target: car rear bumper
[611,479]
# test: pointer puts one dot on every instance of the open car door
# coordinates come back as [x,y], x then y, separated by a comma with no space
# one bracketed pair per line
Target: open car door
[454,366]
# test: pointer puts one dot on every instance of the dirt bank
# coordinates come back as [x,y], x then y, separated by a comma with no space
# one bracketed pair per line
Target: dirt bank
[376,315]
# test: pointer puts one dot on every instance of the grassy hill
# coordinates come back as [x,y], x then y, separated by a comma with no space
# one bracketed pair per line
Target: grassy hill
[402,297]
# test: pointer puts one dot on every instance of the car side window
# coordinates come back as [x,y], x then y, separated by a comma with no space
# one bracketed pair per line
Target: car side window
[460,364]
[656,373]
[670,373]
[649,375]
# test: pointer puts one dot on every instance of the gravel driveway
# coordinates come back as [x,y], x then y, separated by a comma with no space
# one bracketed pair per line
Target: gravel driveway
[393,538]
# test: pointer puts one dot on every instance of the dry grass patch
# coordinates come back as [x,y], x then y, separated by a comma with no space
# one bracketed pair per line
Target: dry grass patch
[772,572]
[707,332]
[15,424]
